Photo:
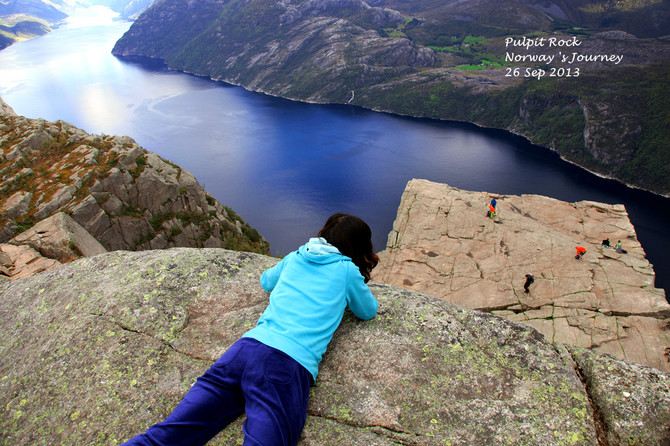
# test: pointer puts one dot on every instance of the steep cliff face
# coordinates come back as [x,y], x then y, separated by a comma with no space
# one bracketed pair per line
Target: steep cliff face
[442,60]
[124,196]
[443,244]
[97,350]
[315,50]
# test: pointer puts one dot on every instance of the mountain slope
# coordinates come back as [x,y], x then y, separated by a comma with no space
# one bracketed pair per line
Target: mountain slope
[443,60]
[25,19]
[643,18]
[124,196]
[128,9]
[45,10]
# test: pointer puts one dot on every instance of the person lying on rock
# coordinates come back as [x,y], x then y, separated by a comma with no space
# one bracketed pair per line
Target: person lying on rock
[268,372]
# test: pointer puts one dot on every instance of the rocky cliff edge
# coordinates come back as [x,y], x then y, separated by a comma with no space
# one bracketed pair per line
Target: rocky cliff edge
[97,350]
[123,195]
[443,244]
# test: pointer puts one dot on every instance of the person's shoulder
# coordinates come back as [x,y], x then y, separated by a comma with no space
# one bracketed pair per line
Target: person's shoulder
[352,270]
[291,254]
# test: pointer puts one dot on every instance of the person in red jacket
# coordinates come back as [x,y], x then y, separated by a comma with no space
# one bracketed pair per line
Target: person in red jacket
[580,252]
[491,213]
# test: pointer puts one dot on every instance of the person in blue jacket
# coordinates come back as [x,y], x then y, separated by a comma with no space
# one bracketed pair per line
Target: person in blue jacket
[268,372]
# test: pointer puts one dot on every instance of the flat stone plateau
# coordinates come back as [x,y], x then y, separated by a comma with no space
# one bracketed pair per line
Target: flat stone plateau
[444,245]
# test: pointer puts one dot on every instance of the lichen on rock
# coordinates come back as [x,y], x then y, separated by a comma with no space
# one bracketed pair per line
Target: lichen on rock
[99,349]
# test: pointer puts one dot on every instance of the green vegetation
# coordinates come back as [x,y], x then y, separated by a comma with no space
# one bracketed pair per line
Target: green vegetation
[393,32]
[485,64]
[474,40]
[554,117]
[468,45]
[650,164]
[474,51]
[466,37]
[234,240]
[156,221]
[112,160]
[24,223]
[401,29]
[131,211]
[251,233]
[140,164]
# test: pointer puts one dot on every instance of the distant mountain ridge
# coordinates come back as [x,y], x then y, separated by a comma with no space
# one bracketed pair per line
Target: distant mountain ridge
[443,60]
[128,9]
[51,11]
[25,19]
[642,18]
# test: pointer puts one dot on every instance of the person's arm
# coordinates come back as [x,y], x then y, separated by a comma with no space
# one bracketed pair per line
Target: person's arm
[270,276]
[359,297]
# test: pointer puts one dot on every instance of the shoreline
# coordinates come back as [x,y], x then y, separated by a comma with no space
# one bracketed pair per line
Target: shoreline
[398,114]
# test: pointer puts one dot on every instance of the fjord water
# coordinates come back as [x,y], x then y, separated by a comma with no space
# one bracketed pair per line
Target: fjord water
[285,166]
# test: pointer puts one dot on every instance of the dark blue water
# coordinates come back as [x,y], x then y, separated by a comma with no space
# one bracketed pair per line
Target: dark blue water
[285,166]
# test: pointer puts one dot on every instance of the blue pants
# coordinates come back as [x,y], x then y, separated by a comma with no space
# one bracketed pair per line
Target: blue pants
[270,386]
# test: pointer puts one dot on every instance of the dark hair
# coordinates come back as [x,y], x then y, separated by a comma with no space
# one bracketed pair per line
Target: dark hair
[353,237]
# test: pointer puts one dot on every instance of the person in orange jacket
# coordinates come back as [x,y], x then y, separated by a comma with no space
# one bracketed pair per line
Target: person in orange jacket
[491,213]
[580,252]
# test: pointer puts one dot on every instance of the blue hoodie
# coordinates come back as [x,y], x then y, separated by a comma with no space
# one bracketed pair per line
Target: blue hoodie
[310,289]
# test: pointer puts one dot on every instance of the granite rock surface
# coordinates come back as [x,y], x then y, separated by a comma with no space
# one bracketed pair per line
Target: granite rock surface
[50,243]
[97,350]
[443,244]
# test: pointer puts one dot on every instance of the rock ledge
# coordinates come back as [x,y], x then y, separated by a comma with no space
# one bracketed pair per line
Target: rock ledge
[442,244]
[97,350]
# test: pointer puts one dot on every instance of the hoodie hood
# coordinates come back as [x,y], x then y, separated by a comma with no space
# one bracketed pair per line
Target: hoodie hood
[318,250]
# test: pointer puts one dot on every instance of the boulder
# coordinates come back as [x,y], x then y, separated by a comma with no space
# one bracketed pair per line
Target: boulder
[99,349]
[23,261]
[613,387]
[17,204]
[60,237]
[443,244]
